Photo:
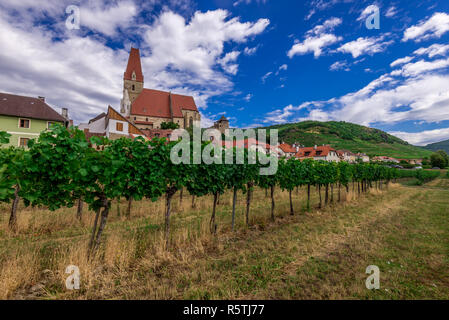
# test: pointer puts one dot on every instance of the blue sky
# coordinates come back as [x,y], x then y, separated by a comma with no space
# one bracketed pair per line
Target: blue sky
[258,62]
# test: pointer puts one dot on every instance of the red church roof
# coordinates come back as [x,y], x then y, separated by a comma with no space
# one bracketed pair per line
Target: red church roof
[155,103]
[134,65]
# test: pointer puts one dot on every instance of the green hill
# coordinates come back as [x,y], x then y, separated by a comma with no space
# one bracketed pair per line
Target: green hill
[353,137]
[443,145]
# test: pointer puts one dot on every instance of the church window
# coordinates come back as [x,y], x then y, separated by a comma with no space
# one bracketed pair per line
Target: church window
[191,122]
[133,88]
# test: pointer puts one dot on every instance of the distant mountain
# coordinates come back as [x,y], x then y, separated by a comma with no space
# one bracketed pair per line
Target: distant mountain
[353,137]
[442,145]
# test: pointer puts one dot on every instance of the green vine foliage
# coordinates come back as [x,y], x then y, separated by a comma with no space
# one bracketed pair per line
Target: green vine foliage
[60,167]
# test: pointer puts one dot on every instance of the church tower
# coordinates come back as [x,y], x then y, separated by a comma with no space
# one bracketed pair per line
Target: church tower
[133,77]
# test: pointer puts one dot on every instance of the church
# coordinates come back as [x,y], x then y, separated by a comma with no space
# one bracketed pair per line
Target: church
[147,109]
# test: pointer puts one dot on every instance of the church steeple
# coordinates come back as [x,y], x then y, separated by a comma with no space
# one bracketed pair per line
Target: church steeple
[133,76]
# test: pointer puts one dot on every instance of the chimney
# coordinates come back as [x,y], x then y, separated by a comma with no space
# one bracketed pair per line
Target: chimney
[65,113]
[41,98]
[315,147]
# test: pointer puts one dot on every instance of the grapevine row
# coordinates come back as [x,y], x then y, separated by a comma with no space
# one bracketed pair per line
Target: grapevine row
[60,168]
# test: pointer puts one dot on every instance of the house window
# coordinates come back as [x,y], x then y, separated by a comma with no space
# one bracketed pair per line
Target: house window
[49,124]
[23,142]
[318,153]
[119,126]
[307,153]
[24,123]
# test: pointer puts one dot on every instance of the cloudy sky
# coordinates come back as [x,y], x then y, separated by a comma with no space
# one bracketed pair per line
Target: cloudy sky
[258,62]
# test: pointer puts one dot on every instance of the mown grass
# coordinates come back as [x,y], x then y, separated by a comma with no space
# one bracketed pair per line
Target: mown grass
[320,254]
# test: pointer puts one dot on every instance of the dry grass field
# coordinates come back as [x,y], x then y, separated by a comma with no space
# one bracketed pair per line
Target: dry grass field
[316,254]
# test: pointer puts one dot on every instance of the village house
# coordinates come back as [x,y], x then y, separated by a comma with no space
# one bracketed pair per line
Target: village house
[324,153]
[385,159]
[24,118]
[347,156]
[253,145]
[147,108]
[287,150]
[362,157]
[111,125]
[412,161]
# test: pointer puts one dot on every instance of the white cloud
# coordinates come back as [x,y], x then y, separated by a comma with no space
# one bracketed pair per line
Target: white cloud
[391,12]
[433,50]
[423,138]
[195,47]
[265,77]
[416,92]
[363,46]
[250,51]
[318,5]
[106,19]
[401,61]
[367,12]
[227,62]
[339,65]
[238,2]
[422,66]
[248,97]
[284,67]
[434,27]
[317,39]
[80,71]
[281,115]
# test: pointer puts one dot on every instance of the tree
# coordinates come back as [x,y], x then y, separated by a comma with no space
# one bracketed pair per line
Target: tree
[437,160]
[445,156]
[169,126]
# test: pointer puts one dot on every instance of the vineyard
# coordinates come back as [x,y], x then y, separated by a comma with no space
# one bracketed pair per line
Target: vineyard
[132,179]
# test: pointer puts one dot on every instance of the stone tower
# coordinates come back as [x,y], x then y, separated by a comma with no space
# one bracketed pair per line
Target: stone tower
[222,125]
[133,77]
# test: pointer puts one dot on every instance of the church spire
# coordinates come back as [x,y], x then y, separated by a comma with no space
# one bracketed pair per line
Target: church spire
[133,76]
[134,68]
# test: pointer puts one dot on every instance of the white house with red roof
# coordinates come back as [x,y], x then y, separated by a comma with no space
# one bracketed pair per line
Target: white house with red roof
[148,108]
[324,153]
[287,150]
[111,125]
